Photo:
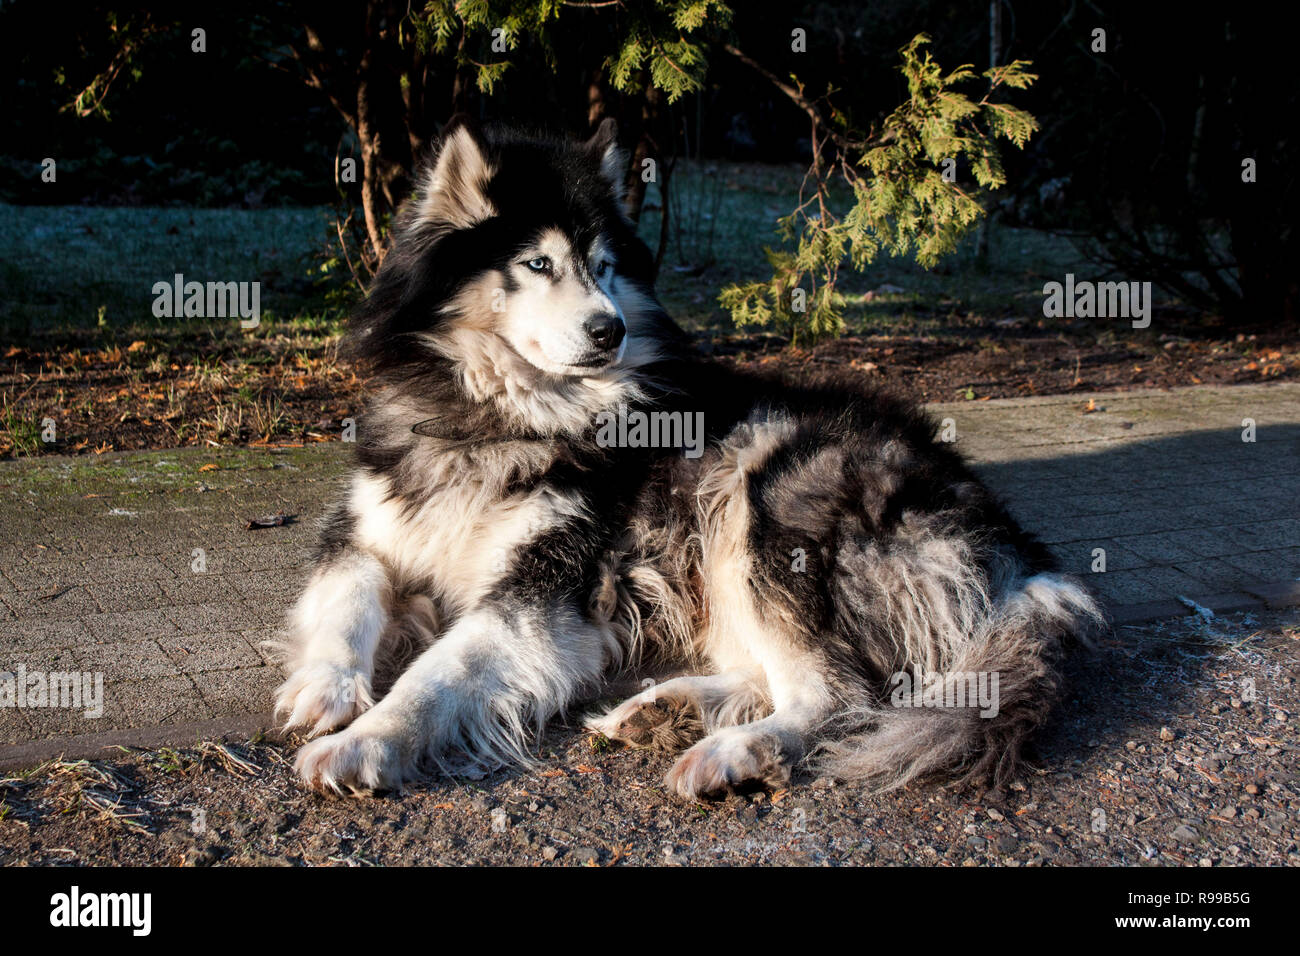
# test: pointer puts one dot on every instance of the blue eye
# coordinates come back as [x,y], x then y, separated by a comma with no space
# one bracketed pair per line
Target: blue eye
[601,268]
[540,264]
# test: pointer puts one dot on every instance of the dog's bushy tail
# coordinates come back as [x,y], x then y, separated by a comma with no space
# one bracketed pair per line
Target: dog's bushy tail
[1021,639]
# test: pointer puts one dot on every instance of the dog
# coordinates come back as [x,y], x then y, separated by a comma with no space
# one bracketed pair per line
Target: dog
[504,548]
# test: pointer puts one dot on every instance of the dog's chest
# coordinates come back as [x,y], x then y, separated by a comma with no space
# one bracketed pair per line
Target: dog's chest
[459,541]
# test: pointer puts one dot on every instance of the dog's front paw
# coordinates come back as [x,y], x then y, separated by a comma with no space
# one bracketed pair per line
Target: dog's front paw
[322,696]
[731,759]
[353,760]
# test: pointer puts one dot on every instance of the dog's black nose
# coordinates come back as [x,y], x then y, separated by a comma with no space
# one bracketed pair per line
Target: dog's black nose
[606,330]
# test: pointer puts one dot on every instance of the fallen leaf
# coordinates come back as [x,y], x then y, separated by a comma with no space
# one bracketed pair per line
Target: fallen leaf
[268,521]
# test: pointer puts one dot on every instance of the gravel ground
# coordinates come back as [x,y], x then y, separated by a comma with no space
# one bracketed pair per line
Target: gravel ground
[1164,753]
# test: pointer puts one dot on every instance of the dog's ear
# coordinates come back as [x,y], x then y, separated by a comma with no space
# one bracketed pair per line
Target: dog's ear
[454,192]
[613,161]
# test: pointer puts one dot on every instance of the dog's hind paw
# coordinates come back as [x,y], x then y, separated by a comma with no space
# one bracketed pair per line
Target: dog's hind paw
[657,723]
[732,759]
[322,696]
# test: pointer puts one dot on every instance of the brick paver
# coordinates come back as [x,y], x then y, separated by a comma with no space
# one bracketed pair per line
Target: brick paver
[1162,482]
[98,555]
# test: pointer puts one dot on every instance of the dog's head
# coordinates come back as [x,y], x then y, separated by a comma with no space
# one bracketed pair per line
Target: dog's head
[514,260]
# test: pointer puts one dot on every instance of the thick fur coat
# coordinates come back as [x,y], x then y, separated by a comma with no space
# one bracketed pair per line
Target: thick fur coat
[497,558]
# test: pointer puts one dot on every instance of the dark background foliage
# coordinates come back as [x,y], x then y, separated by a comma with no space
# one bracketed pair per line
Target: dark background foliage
[1139,152]
[225,165]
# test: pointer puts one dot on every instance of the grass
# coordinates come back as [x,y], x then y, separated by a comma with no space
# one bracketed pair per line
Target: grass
[84,347]
[108,795]
[24,433]
[83,268]
[225,758]
[95,791]
[91,270]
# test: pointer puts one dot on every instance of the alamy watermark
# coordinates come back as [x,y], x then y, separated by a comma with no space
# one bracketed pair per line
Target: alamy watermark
[946,690]
[1098,300]
[211,300]
[74,908]
[69,690]
[638,429]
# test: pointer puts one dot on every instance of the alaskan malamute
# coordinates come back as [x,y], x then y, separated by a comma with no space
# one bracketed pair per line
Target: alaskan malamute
[551,488]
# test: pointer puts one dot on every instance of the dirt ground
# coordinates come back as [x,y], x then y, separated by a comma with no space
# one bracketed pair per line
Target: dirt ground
[1015,359]
[1176,745]
[163,394]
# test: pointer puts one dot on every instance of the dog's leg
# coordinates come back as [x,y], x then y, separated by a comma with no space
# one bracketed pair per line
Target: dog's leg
[334,631]
[497,671]
[678,712]
[763,752]
[802,682]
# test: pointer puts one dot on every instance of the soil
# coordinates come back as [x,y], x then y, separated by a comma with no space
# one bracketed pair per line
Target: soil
[146,394]
[1016,362]
[1163,753]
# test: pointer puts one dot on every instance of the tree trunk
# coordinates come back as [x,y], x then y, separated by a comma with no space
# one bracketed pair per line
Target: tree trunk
[414,92]
[665,182]
[995,56]
[369,138]
[463,86]
[647,147]
[382,126]
[597,102]
[1270,292]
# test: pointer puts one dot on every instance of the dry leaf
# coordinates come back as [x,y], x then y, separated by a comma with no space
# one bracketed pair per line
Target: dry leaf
[268,521]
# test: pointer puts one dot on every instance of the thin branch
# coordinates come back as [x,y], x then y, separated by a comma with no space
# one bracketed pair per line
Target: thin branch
[343,244]
[796,96]
[104,80]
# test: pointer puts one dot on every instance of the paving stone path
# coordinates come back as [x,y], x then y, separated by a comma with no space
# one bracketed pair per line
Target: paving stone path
[140,567]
